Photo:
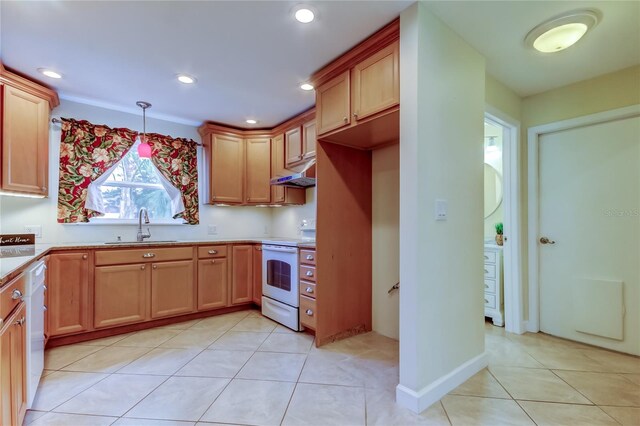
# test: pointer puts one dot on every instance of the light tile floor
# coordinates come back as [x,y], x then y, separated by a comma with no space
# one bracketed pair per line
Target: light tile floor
[241,368]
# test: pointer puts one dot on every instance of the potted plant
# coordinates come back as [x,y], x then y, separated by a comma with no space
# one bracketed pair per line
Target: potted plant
[499,229]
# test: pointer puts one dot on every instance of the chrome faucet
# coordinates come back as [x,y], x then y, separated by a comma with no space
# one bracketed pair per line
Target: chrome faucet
[142,235]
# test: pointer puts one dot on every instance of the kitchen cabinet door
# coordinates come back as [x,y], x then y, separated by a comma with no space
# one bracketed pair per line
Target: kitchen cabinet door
[277,168]
[258,171]
[121,295]
[172,288]
[376,82]
[25,142]
[242,274]
[257,274]
[293,147]
[70,307]
[226,169]
[13,372]
[309,140]
[333,106]
[212,283]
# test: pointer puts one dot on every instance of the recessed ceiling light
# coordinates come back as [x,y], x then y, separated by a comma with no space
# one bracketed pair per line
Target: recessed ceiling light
[186,79]
[306,86]
[562,31]
[50,73]
[304,15]
[251,121]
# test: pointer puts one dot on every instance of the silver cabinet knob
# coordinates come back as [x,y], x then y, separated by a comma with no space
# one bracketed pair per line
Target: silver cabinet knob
[213,261]
[545,240]
[44,287]
[85,257]
[309,257]
[355,115]
[213,251]
[44,307]
[155,266]
[309,274]
[16,294]
[142,267]
[148,255]
[345,118]
[309,290]
[309,312]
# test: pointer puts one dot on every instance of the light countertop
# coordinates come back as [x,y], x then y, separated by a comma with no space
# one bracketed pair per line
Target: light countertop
[22,256]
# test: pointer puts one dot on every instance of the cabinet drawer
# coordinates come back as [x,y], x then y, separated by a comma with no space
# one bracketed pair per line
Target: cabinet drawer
[489,286]
[308,257]
[205,252]
[489,271]
[307,273]
[490,301]
[149,254]
[11,295]
[308,289]
[308,312]
[490,257]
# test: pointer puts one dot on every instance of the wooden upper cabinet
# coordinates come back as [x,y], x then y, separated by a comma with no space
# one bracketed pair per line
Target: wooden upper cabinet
[309,140]
[376,82]
[333,106]
[121,294]
[226,169]
[277,168]
[25,141]
[242,274]
[258,171]
[293,146]
[70,307]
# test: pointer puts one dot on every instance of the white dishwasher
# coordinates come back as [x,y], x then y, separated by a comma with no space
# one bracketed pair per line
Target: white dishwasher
[34,299]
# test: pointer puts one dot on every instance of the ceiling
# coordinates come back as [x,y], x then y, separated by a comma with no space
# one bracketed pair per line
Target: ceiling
[250,57]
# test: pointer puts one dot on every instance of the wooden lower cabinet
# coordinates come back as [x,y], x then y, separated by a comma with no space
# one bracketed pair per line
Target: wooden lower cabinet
[257,274]
[242,274]
[121,295]
[70,307]
[172,288]
[13,373]
[212,283]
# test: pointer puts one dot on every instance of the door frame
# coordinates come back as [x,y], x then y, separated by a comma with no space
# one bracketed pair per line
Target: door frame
[533,194]
[512,249]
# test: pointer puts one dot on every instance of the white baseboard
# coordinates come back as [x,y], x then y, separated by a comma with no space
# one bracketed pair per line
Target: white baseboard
[530,327]
[422,399]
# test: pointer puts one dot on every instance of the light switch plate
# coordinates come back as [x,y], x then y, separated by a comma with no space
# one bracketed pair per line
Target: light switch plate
[34,229]
[441,209]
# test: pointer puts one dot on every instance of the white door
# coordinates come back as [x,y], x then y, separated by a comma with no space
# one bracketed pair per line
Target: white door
[589,209]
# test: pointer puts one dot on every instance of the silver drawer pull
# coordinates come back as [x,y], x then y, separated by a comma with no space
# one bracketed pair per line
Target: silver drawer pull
[213,261]
[142,267]
[44,287]
[44,307]
[213,251]
[148,255]
[309,257]
[486,257]
[16,294]
[309,290]
[309,274]
[486,301]
[20,321]
[309,312]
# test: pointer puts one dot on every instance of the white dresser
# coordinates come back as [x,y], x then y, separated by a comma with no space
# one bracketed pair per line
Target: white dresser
[493,287]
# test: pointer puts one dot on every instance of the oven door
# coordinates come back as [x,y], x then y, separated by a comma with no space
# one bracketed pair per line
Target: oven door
[280,273]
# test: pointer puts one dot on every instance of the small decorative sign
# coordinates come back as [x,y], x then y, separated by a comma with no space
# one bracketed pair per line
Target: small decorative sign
[17,239]
[18,251]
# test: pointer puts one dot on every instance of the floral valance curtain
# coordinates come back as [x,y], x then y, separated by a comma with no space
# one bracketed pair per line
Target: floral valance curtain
[177,161]
[86,152]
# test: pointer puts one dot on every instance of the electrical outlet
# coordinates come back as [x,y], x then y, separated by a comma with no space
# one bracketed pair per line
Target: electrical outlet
[212,230]
[34,229]
[441,209]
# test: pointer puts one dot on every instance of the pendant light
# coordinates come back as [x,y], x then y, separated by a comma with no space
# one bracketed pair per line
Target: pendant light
[144,149]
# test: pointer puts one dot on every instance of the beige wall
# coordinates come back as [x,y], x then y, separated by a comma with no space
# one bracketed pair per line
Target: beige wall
[502,98]
[286,221]
[441,123]
[385,164]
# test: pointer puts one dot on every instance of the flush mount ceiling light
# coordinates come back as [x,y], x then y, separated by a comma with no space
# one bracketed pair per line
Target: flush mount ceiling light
[304,14]
[49,73]
[306,86]
[562,31]
[186,79]
[251,121]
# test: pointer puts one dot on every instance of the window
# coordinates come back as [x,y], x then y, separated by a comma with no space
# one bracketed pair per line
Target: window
[131,184]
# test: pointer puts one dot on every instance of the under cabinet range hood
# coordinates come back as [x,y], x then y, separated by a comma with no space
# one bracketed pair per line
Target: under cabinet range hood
[302,179]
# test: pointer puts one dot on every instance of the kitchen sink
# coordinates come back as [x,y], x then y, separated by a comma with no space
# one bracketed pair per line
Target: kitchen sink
[142,242]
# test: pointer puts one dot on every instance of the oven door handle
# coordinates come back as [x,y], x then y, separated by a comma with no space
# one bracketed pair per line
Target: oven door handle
[280,249]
